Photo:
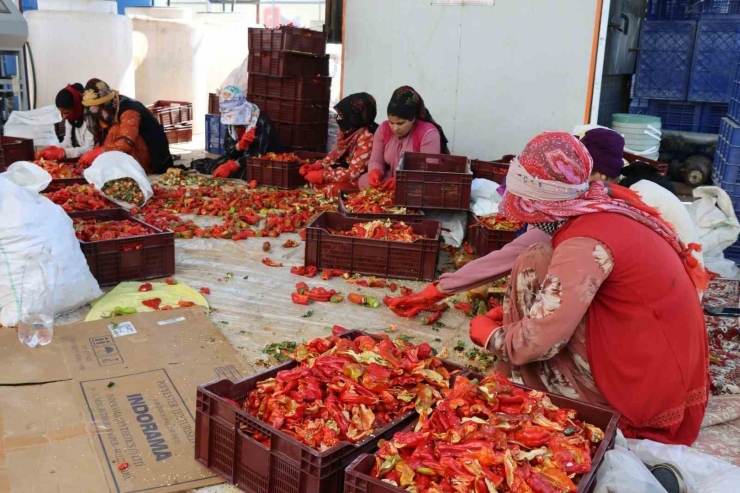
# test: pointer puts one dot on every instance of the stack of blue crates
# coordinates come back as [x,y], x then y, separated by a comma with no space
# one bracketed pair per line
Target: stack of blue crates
[688,53]
[215,132]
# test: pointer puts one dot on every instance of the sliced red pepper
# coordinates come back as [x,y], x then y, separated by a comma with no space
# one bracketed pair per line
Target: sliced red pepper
[299,299]
[205,290]
[185,304]
[468,249]
[431,319]
[271,263]
[153,303]
[170,282]
[337,330]
[147,286]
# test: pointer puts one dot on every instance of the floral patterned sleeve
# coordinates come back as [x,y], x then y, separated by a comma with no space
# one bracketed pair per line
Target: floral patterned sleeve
[357,161]
[577,269]
[126,140]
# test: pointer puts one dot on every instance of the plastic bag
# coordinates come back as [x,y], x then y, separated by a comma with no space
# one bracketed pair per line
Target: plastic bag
[717,227]
[454,224]
[238,77]
[29,176]
[622,472]
[35,124]
[484,197]
[114,165]
[31,222]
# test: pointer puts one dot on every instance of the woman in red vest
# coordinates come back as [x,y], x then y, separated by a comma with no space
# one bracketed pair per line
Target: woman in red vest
[608,312]
[409,128]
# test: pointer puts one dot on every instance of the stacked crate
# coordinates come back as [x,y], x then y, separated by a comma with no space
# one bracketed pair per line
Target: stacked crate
[289,81]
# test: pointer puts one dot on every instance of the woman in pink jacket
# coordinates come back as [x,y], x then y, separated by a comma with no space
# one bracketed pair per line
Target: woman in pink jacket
[409,128]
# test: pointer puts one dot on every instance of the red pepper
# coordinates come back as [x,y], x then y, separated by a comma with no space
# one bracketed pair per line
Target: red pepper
[205,290]
[299,299]
[170,282]
[153,303]
[271,263]
[337,330]
[252,184]
[468,249]
[406,291]
[379,283]
[123,466]
[309,271]
[320,294]
[431,319]
[532,436]
[355,298]
[290,244]
[301,288]
[185,304]
[147,286]
[393,287]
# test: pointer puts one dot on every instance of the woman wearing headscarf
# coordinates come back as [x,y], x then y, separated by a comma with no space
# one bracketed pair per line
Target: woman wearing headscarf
[119,123]
[77,138]
[409,128]
[608,312]
[343,166]
[249,132]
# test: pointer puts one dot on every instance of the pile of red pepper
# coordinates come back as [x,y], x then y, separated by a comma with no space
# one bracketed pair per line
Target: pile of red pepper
[374,201]
[92,230]
[303,294]
[344,390]
[499,223]
[125,190]
[59,171]
[381,230]
[285,157]
[490,436]
[75,198]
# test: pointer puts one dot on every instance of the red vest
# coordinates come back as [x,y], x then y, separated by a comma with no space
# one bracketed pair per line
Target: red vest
[645,333]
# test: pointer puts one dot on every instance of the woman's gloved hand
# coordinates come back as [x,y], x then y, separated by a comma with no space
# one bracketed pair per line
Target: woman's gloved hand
[482,327]
[246,139]
[226,169]
[375,177]
[315,177]
[413,304]
[307,168]
[90,156]
[51,153]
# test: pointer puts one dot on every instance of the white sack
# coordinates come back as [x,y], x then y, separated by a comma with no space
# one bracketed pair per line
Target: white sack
[28,176]
[484,197]
[35,124]
[455,222]
[238,77]
[114,165]
[716,226]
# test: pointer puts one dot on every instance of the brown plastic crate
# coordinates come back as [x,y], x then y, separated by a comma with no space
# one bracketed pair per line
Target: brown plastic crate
[170,113]
[288,466]
[357,477]
[661,167]
[416,217]
[128,259]
[179,133]
[285,111]
[492,170]
[279,174]
[303,134]
[390,259]
[431,181]
[17,149]
[484,240]
[293,39]
[282,64]
[214,108]
[291,88]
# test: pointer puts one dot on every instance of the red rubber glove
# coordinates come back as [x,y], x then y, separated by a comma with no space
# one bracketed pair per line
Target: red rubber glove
[482,327]
[389,184]
[246,139]
[226,169]
[376,176]
[307,168]
[429,296]
[51,153]
[90,156]
[315,177]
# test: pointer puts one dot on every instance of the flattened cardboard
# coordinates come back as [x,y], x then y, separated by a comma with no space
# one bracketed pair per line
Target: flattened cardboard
[109,400]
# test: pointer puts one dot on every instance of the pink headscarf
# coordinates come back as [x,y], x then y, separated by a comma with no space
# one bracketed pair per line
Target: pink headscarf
[548,182]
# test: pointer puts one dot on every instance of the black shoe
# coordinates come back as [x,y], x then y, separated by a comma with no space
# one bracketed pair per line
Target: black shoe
[669,478]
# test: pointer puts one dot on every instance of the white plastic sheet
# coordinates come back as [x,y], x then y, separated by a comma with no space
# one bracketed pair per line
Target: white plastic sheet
[484,197]
[35,124]
[113,166]
[28,176]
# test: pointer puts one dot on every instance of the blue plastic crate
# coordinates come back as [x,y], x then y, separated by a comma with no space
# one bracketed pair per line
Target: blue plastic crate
[215,132]
[732,252]
[676,10]
[716,55]
[686,116]
[664,64]
[726,172]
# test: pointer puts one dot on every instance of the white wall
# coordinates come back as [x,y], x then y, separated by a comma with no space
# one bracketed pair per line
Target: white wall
[493,77]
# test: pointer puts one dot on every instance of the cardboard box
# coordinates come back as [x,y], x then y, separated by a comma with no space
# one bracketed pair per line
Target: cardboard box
[106,393]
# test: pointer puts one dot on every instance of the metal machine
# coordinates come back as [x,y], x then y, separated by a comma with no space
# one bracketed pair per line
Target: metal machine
[13,75]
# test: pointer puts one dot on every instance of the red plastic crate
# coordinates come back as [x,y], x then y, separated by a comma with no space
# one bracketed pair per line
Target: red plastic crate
[282,64]
[433,181]
[492,170]
[661,167]
[357,477]
[293,39]
[416,217]
[389,259]
[128,259]
[179,133]
[279,174]
[64,183]
[170,113]
[285,111]
[484,240]
[288,466]
[291,88]
[303,135]
[16,149]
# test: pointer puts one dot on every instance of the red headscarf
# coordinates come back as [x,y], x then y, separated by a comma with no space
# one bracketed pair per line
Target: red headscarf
[76,109]
[548,182]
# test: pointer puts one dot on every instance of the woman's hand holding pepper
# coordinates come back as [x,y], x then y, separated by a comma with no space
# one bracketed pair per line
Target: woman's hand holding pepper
[375,177]
[51,153]
[413,304]
[246,139]
[226,169]
[307,168]
[90,156]
[315,177]
[482,327]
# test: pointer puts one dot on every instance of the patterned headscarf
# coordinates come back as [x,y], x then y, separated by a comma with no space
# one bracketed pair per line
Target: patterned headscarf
[356,111]
[101,107]
[235,109]
[407,104]
[548,183]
